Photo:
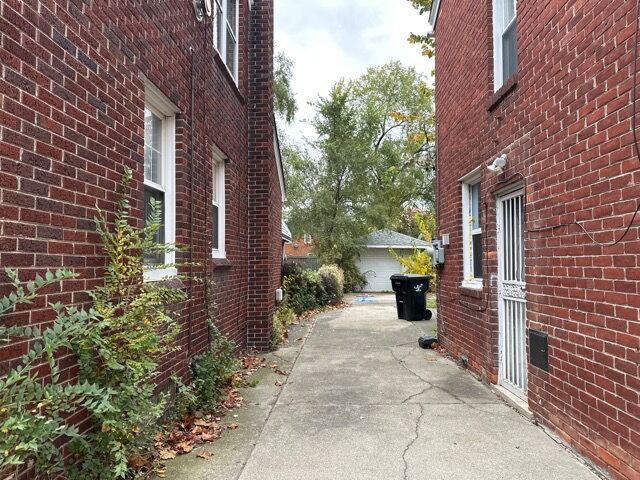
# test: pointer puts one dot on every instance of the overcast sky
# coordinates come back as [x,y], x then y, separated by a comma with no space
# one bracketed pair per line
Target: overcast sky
[331,39]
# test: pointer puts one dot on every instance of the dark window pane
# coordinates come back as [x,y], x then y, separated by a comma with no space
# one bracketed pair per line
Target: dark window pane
[216,227]
[477,255]
[509,51]
[149,193]
[475,205]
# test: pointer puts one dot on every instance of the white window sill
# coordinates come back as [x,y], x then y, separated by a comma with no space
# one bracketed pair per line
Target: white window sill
[159,274]
[219,254]
[472,284]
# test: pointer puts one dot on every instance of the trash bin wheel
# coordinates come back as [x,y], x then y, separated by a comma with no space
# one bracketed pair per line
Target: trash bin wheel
[428,314]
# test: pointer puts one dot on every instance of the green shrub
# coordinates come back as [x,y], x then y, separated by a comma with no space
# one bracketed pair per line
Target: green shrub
[35,403]
[354,281]
[136,328]
[304,290]
[213,371]
[117,343]
[333,281]
[283,317]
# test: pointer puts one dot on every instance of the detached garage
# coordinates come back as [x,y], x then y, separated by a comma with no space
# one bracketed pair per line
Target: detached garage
[376,262]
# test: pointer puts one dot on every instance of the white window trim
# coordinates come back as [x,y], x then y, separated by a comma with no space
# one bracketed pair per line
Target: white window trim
[222,49]
[472,178]
[219,167]
[166,110]
[498,31]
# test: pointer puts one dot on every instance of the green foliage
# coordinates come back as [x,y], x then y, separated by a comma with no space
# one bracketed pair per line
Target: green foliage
[34,402]
[285,103]
[426,42]
[186,401]
[332,278]
[135,329]
[213,371]
[118,344]
[373,161]
[419,261]
[305,290]
[282,318]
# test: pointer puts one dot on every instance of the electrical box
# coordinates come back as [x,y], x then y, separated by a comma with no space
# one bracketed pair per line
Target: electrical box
[438,253]
[539,349]
[279,295]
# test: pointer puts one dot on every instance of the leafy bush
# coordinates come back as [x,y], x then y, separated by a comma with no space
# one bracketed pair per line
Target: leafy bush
[135,329]
[333,281]
[283,317]
[118,343]
[305,290]
[34,402]
[419,261]
[213,371]
[354,280]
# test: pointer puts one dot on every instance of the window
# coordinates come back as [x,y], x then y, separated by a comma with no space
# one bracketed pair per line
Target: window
[505,51]
[159,177]
[307,239]
[218,206]
[472,230]
[225,33]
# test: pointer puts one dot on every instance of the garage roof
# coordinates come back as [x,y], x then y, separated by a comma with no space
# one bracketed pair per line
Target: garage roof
[390,239]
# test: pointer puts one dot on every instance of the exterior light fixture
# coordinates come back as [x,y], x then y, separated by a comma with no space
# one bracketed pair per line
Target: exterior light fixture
[499,164]
[203,8]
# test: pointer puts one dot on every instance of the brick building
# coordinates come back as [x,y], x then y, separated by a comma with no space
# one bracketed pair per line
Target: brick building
[543,93]
[88,88]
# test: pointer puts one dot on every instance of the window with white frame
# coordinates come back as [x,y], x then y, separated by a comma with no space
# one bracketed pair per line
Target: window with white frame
[159,177]
[225,32]
[505,50]
[472,231]
[218,206]
[307,239]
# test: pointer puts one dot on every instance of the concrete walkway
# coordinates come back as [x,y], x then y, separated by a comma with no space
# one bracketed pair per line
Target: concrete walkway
[363,402]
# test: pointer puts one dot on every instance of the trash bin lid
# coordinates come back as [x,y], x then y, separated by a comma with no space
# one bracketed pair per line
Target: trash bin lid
[399,276]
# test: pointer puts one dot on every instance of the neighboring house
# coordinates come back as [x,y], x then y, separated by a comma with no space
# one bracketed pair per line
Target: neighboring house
[527,298]
[301,251]
[89,88]
[376,262]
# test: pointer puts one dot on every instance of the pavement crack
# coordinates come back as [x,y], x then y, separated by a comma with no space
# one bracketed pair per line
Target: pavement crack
[411,397]
[415,438]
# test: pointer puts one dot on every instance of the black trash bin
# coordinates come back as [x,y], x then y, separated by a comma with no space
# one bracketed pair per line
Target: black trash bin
[411,296]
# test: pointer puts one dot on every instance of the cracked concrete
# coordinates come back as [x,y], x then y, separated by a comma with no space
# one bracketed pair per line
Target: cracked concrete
[364,402]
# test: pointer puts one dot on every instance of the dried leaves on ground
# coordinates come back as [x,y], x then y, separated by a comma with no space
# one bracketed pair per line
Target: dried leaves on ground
[182,436]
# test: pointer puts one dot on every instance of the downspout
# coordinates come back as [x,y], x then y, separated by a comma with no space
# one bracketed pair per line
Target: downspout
[191,185]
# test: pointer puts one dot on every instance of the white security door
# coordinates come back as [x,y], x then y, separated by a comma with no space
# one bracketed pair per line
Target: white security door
[511,292]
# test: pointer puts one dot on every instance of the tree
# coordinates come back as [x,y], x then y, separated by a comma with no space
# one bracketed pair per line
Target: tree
[284,101]
[372,162]
[395,106]
[426,42]
[337,214]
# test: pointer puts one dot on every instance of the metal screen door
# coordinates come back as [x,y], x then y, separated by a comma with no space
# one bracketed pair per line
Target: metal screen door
[511,293]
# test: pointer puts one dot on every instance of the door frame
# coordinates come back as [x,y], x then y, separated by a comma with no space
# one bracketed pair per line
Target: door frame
[501,197]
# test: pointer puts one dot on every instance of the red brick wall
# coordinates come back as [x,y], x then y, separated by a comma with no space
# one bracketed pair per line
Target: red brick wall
[72,118]
[566,126]
[265,197]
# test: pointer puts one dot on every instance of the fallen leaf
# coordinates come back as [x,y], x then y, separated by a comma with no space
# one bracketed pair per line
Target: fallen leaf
[208,437]
[233,426]
[278,383]
[185,447]
[204,454]
[167,454]
[137,462]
